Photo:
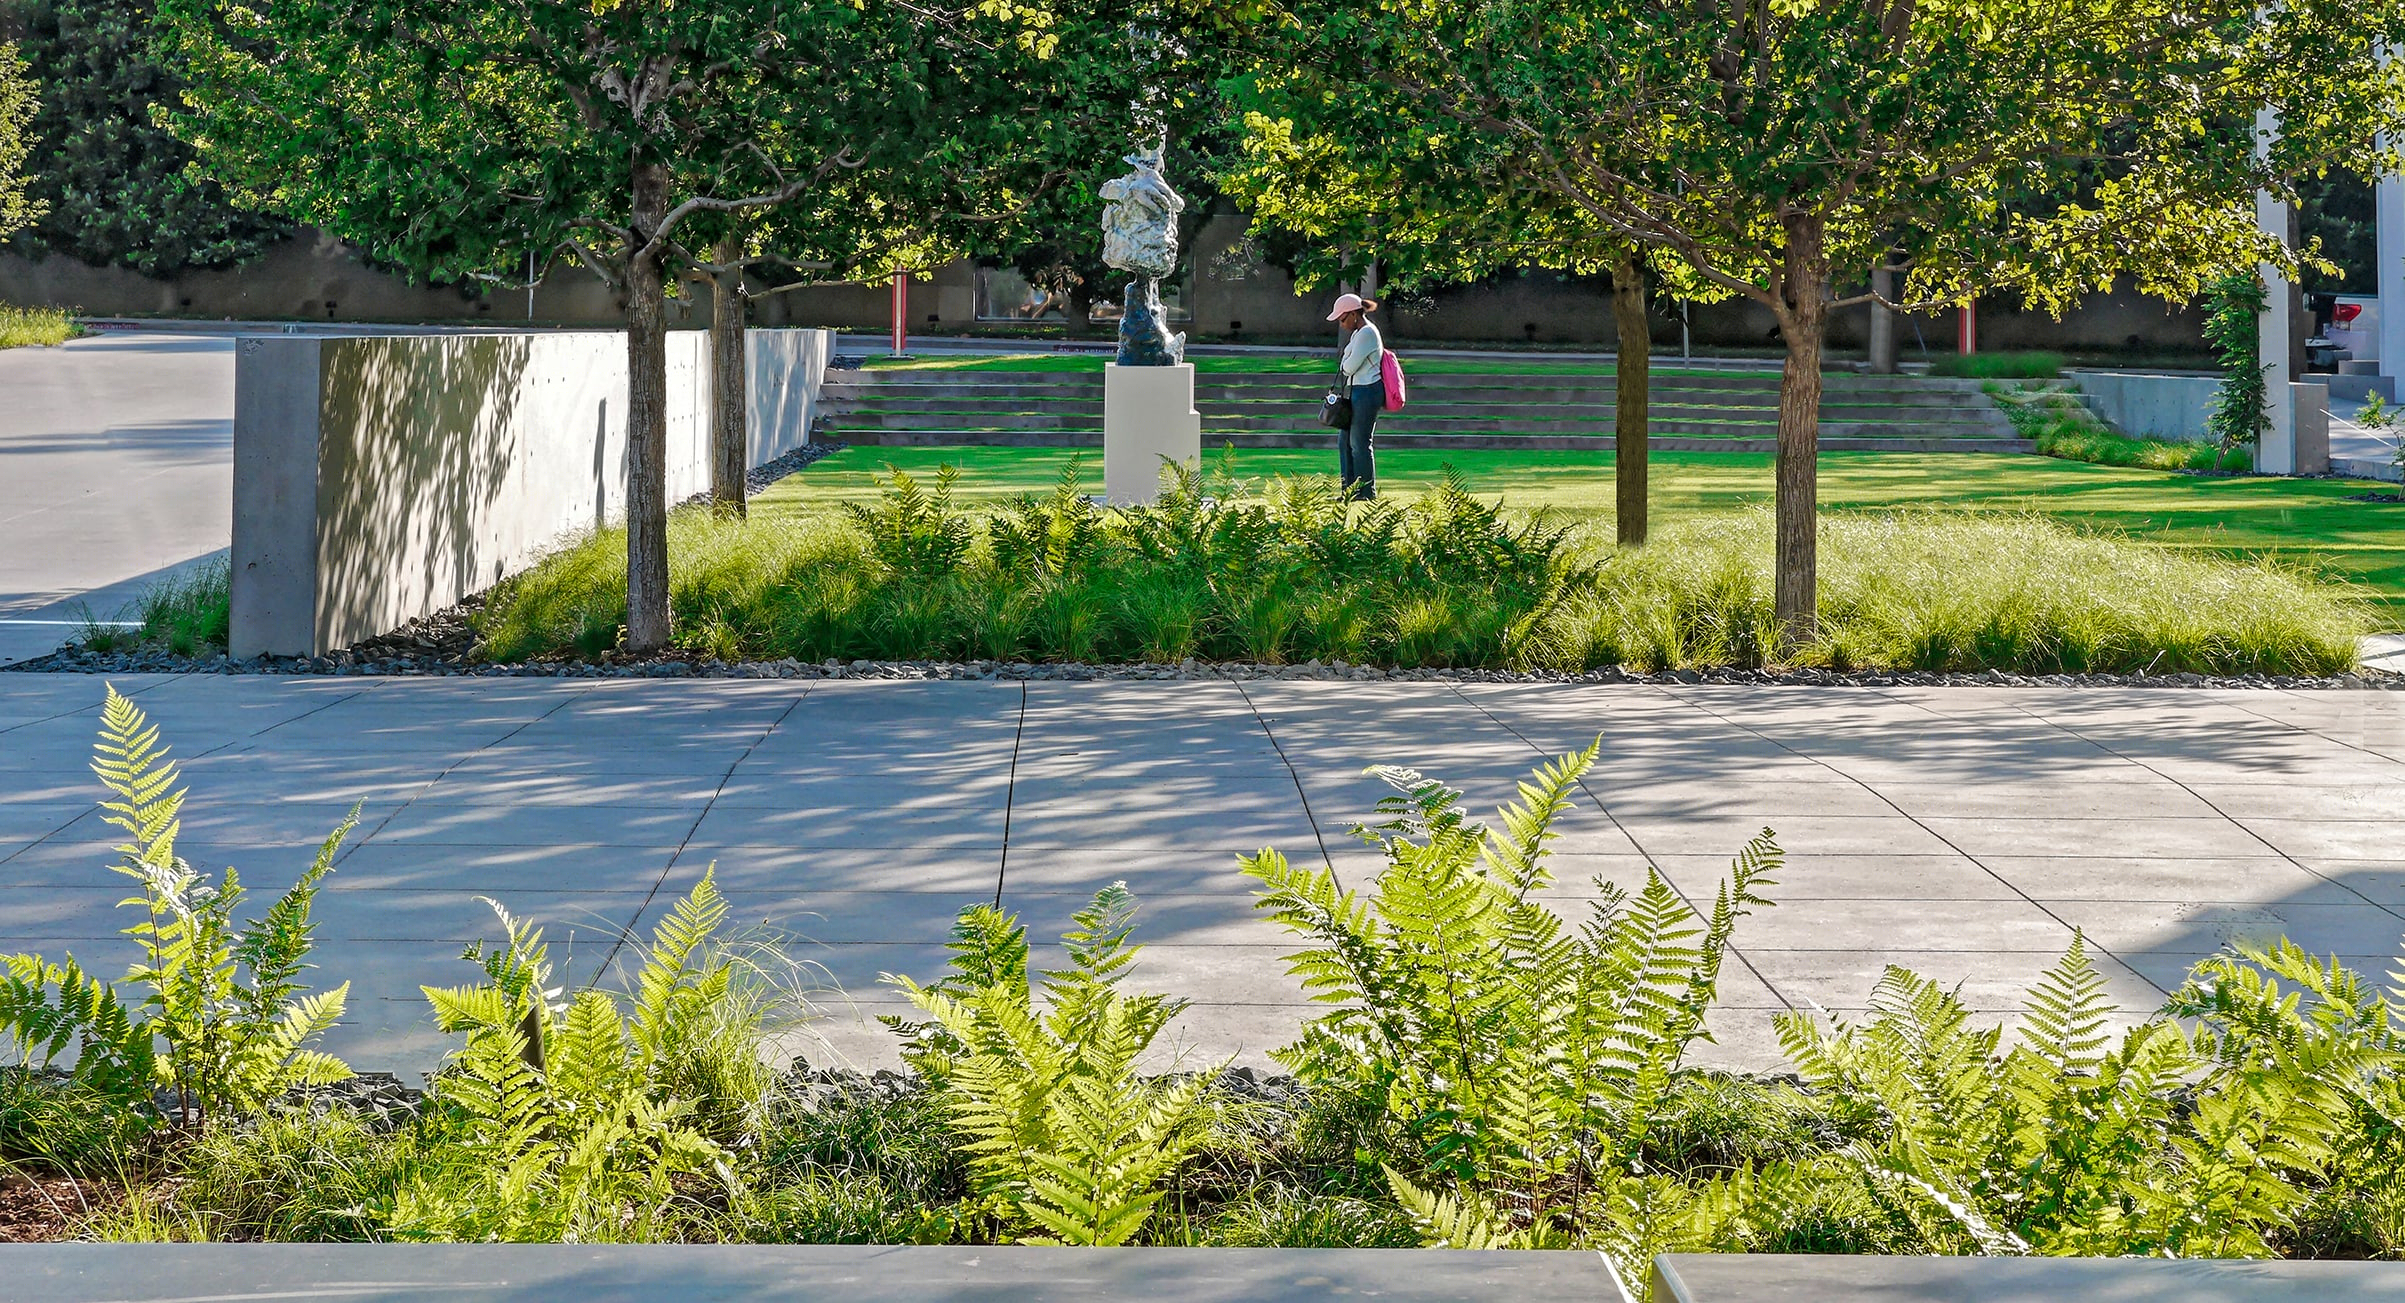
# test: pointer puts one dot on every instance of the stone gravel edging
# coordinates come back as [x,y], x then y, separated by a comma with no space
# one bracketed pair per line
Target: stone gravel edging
[397,661]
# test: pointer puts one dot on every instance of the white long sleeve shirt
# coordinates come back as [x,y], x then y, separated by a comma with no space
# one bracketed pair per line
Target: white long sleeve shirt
[1362,354]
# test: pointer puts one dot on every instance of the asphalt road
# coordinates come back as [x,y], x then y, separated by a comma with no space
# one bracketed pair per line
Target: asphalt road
[116,470]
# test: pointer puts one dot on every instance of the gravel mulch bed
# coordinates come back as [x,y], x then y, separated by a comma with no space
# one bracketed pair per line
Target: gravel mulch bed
[439,646]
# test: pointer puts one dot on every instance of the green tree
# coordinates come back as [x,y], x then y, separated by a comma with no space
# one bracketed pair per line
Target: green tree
[1432,207]
[1780,149]
[118,185]
[16,114]
[455,137]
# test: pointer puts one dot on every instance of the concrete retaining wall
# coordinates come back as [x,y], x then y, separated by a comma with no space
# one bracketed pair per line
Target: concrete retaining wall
[379,479]
[2150,406]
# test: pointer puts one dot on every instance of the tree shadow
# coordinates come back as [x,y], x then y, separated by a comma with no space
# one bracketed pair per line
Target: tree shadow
[428,459]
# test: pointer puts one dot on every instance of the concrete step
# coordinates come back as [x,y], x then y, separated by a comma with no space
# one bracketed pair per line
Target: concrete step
[1731,380]
[1831,441]
[1700,423]
[1578,407]
[1422,393]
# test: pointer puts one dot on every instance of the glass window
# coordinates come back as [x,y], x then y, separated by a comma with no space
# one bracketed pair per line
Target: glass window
[1005,295]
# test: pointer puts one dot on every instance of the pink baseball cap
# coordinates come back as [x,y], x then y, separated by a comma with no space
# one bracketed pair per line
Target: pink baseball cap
[1349,303]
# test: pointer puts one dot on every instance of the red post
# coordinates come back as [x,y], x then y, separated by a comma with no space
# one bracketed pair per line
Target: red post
[901,313]
[1970,329]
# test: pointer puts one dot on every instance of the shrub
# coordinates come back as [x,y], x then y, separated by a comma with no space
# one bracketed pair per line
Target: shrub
[1998,366]
[2064,1144]
[120,188]
[1287,571]
[2234,306]
[35,326]
[2061,425]
[1955,591]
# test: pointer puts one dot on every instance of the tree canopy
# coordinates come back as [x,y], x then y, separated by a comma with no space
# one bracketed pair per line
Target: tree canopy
[16,114]
[1778,150]
[456,137]
[117,185]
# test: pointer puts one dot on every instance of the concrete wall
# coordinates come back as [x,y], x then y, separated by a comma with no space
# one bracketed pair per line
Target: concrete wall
[2150,406]
[379,479]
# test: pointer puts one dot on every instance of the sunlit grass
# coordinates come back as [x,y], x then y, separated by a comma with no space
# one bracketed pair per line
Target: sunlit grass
[1900,589]
[2311,525]
[43,326]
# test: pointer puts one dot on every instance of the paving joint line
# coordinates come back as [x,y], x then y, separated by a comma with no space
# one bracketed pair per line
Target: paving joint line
[162,681]
[2321,737]
[2208,803]
[1293,774]
[351,844]
[1010,794]
[1949,843]
[1600,804]
[687,840]
[260,733]
[45,838]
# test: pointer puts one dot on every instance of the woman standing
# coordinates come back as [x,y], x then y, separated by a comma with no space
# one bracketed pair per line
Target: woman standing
[1364,357]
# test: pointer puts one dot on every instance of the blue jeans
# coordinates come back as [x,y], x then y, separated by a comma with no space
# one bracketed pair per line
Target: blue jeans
[1356,464]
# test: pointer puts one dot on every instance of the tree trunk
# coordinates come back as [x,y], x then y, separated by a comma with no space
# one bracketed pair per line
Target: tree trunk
[1633,376]
[1081,308]
[730,430]
[647,617]
[1883,323]
[1802,319]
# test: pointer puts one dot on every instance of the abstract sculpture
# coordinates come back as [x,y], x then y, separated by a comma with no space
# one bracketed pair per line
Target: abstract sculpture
[1139,236]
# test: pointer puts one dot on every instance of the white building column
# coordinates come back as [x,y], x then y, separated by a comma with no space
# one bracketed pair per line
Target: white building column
[2389,284]
[2275,449]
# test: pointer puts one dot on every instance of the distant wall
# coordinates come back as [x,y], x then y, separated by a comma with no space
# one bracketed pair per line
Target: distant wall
[1234,295]
[379,479]
[2150,406]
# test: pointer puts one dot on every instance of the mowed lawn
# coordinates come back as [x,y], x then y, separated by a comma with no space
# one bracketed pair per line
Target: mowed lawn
[2310,523]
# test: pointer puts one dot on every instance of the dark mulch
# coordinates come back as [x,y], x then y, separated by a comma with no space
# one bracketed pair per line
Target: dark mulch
[38,1208]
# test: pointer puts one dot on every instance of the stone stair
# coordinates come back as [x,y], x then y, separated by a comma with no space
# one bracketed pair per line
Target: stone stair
[1726,411]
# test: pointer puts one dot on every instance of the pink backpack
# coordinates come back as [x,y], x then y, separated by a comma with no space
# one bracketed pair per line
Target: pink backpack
[1390,370]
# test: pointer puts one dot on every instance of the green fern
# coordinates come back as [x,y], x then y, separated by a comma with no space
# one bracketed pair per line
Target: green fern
[913,529]
[564,1119]
[224,1003]
[2066,1143]
[1050,536]
[1520,1059]
[1067,1142]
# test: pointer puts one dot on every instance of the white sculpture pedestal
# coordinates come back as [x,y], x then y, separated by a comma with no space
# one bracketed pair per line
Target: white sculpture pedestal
[1147,415]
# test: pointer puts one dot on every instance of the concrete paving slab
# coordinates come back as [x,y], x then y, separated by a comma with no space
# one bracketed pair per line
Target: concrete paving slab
[2141,877]
[1855,925]
[1929,880]
[2330,839]
[1963,831]
[498,869]
[2188,926]
[1993,981]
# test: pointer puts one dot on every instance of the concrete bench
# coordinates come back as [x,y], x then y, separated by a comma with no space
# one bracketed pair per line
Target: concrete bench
[1799,1278]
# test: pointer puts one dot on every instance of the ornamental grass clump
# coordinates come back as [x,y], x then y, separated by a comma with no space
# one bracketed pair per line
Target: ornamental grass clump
[1286,571]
